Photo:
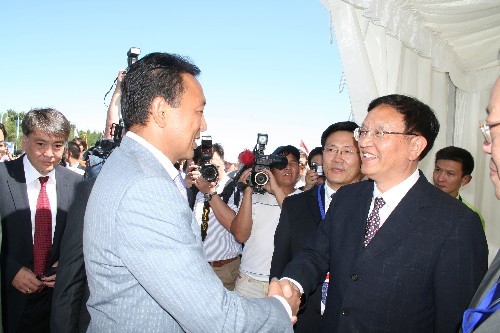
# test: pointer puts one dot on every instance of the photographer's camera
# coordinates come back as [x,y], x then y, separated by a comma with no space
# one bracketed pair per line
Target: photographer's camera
[207,170]
[258,178]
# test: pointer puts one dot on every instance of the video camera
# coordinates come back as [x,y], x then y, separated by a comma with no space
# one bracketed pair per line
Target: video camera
[207,170]
[257,178]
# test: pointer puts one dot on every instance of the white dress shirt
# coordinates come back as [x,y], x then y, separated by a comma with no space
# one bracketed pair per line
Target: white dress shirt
[393,196]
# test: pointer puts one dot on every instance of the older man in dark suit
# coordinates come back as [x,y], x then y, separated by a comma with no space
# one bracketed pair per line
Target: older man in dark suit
[35,193]
[403,255]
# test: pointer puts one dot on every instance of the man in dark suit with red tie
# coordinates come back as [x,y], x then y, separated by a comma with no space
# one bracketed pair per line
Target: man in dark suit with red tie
[302,213]
[403,256]
[35,193]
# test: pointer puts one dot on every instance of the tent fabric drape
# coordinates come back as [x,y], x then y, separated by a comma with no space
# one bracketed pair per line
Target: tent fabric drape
[444,53]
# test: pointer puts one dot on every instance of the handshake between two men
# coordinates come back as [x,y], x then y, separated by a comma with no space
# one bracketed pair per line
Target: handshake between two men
[287,291]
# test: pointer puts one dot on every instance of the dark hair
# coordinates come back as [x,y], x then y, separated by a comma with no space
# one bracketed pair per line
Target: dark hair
[217,148]
[80,142]
[287,150]
[74,149]
[459,155]
[157,74]
[314,152]
[4,131]
[346,126]
[419,118]
[46,120]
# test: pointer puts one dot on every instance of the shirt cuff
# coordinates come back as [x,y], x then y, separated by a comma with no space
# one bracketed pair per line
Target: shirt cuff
[285,304]
[298,285]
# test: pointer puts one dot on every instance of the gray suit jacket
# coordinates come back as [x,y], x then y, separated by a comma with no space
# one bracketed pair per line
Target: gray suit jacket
[492,324]
[145,264]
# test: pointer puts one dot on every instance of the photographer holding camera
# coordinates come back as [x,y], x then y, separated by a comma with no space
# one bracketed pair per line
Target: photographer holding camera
[257,218]
[214,215]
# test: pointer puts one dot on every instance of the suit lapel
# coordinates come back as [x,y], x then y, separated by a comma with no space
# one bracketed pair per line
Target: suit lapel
[19,193]
[62,203]
[401,221]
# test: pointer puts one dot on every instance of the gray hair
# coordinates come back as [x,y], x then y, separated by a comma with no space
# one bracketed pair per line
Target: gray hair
[46,120]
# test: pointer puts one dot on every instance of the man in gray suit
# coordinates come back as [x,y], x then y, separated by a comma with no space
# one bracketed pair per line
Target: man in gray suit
[145,264]
[483,315]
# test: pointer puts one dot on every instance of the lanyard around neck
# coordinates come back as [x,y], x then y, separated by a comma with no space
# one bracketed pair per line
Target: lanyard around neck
[320,202]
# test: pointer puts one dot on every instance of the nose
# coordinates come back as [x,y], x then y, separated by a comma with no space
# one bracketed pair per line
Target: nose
[486,147]
[365,141]
[338,157]
[203,126]
[440,177]
[48,152]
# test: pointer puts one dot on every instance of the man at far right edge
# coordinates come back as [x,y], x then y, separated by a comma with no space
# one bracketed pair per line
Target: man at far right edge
[403,256]
[483,315]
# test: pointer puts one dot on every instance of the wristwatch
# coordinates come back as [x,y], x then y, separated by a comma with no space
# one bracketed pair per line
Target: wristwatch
[208,196]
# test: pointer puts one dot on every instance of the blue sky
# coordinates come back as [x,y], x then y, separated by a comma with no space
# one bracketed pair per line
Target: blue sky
[267,66]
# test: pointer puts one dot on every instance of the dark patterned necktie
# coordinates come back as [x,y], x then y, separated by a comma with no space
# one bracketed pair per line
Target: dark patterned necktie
[373,222]
[42,243]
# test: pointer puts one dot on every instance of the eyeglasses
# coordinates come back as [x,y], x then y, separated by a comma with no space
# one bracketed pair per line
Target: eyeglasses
[342,152]
[361,133]
[486,130]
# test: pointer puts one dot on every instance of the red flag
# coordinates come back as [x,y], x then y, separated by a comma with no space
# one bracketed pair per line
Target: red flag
[303,145]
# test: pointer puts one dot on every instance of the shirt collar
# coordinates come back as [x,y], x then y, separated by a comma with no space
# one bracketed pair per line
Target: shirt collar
[394,195]
[31,174]
[164,161]
[328,190]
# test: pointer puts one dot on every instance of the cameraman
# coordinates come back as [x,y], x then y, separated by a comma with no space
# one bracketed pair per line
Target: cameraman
[256,221]
[221,249]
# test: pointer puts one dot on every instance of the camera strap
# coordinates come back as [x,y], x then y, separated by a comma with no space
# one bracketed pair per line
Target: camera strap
[204,220]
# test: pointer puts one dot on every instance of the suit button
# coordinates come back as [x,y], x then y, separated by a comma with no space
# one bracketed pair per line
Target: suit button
[354,277]
[345,311]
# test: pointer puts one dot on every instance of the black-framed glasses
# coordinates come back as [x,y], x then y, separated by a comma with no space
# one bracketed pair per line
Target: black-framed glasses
[361,133]
[486,129]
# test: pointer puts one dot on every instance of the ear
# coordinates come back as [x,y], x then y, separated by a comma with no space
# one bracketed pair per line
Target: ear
[158,109]
[417,146]
[23,141]
[466,180]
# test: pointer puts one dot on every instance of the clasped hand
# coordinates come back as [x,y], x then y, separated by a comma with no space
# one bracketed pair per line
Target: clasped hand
[289,292]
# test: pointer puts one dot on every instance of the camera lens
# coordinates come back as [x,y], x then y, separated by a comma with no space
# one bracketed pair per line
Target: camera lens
[209,172]
[261,179]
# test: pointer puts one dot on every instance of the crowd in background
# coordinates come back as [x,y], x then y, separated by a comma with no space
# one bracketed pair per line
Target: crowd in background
[178,241]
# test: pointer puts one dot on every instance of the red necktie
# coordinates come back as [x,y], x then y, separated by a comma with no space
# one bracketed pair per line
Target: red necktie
[42,243]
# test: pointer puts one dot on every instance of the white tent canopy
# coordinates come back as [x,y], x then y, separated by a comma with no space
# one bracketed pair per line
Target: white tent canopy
[445,53]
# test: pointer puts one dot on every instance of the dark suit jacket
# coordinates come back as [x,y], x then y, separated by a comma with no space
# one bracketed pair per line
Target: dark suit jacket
[69,312]
[17,244]
[299,219]
[418,274]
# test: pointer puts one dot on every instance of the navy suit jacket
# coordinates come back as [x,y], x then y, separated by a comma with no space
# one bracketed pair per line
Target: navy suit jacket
[299,219]
[418,274]
[17,244]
